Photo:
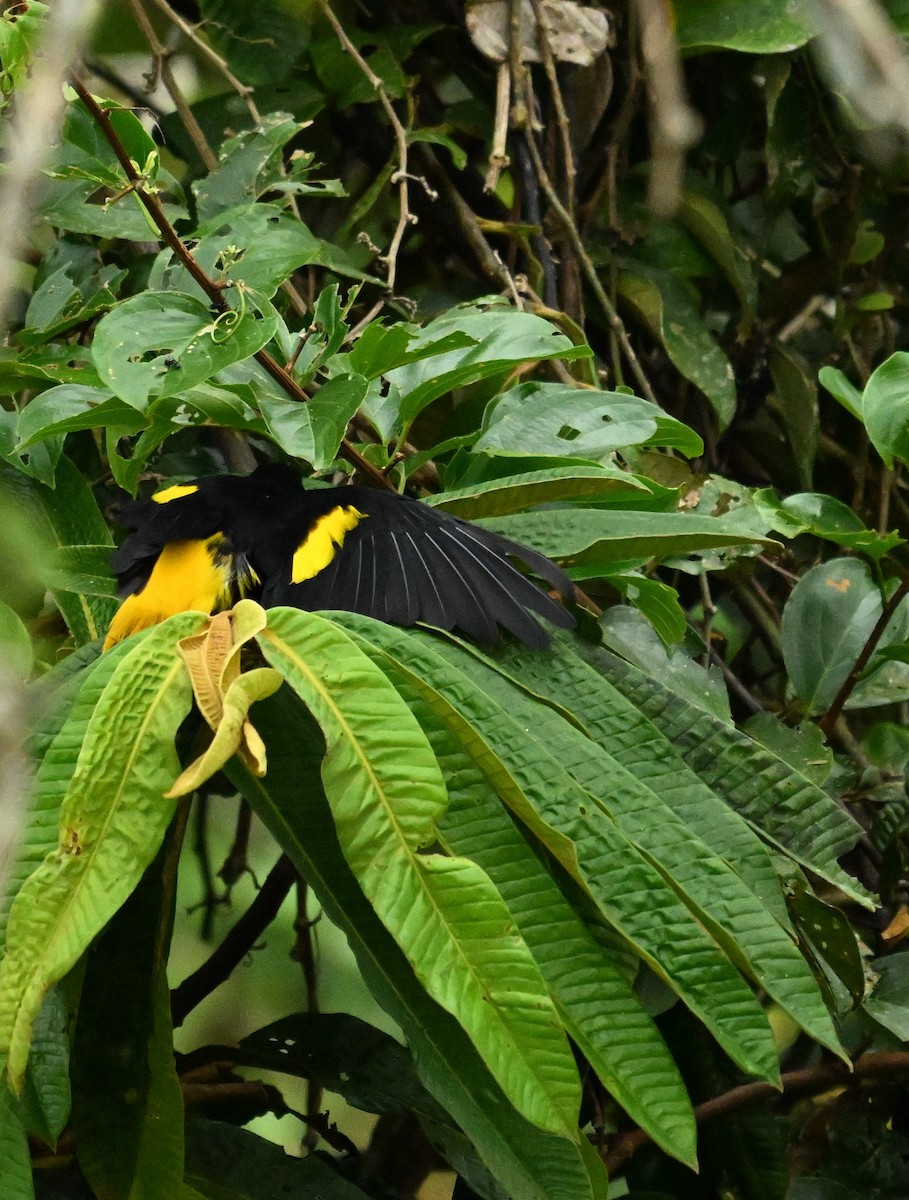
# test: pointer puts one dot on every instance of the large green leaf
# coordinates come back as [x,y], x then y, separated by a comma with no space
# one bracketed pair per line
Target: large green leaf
[63,703]
[499,340]
[755,26]
[84,151]
[163,343]
[589,541]
[386,792]
[225,1162]
[45,1101]
[67,515]
[291,802]
[514,493]
[885,408]
[568,820]
[112,819]
[260,246]
[663,304]
[550,418]
[828,617]
[783,805]
[593,995]
[15,1157]
[73,406]
[636,743]
[69,204]
[123,1047]
[313,431]
[711,887]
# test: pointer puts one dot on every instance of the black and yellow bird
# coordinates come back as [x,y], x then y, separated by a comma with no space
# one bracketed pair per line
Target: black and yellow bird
[206,544]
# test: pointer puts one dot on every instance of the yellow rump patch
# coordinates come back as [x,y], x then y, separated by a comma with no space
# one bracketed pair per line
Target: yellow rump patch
[175,492]
[317,549]
[188,577]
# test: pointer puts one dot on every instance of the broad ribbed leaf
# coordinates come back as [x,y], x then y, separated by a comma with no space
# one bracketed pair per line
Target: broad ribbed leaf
[636,743]
[112,819]
[45,1101]
[123,1047]
[82,569]
[65,700]
[589,541]
[595,1000]
[73,406]
[496,346]
[386,792]
[514,493]
[15,1158]
[291,802]
[714,892]
[164,343]
[627,888]
[785,807]
[563,419]
[67,515]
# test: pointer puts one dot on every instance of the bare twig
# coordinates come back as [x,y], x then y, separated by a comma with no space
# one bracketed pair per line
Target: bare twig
[810,1081]
[867,59]
[236,865]
[498,155]
[733,682]
[189,31]
[558,103]
[237,944]
[163,68]
[469,224]
[401,176]
[304,952]
[590,272]
[829,719]
[212,290]
[210,898]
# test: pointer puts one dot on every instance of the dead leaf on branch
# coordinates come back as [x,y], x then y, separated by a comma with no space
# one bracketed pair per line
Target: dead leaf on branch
[577,33]
[224,694]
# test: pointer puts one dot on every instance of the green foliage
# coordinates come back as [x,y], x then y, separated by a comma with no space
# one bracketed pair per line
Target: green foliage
[592,887]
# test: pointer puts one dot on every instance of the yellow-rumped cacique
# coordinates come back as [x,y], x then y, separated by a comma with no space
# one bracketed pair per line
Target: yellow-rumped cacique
[206,544]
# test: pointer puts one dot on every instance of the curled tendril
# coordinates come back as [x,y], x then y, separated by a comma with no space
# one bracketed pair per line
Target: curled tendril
[226,323]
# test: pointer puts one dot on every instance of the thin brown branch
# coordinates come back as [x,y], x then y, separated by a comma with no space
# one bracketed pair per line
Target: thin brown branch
[735,684]
[498,155]
[243,90]
[304,952]
[590,272]
[809,1081]
[162,67]
[237,944]
[469,224]
[236,865]
[558,104]
[401,175]
[212,290]
[830,717]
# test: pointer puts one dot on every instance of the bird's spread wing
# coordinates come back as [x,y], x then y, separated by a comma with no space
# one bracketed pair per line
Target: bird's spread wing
[204,544]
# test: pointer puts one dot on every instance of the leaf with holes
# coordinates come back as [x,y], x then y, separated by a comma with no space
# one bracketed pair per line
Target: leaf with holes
[163,343]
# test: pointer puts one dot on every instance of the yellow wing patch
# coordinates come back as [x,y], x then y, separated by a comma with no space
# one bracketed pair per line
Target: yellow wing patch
[175,492]
[318,548]
[189,576]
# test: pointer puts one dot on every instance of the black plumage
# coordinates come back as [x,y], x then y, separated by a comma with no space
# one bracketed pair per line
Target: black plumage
[351,548]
